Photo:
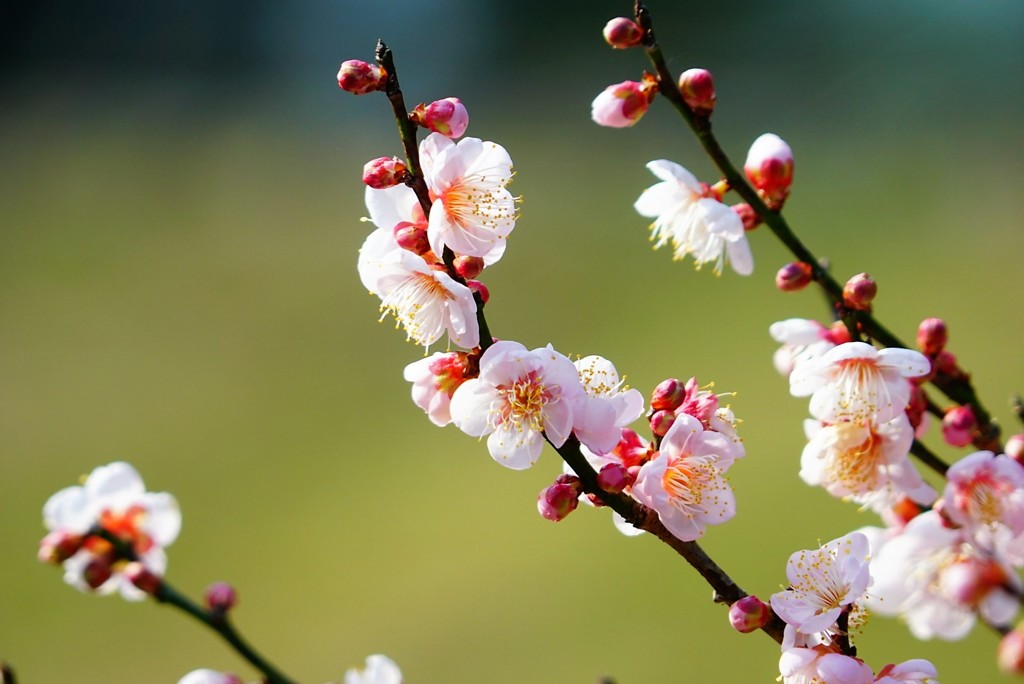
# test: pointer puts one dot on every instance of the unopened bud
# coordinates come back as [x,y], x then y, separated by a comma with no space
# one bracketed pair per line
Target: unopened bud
[859,292]
[698,90]
[142,577]
[747,214]
[614,477]
[220,597]
[668,395]
[967,582]
[661,421]
[384,172]
[1010,655]
[479,288]
[794,276]
[621,105]
[1015,447]
[413,237]
[469,266]
[917,406]
[769,168]
[358,77]
[448,117]
[748,614]
[622,33]
[959,426]
[838,333]
[560,499]
[932,336]
[97,572]
[59,545]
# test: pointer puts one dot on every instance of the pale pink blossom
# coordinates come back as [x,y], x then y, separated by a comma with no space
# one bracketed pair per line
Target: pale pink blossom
[916,671]
[823,581]
[519,398]
[985,494]
[434,379]
[207,676]
[379,670]
[115,499]
[822,665]
[684,482]
[608,406]
[856,382]
[688,217]
[472,212]
[864,462]
[425,301]
[802,339]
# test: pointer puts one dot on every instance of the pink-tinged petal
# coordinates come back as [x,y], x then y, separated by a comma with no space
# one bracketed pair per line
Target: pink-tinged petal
[558,422]
[667,170]
[836,668]
[625,527]
[794,661]
[514,448]
[471,407]
[629,406]
[682,437]
[909,363]
[596,428]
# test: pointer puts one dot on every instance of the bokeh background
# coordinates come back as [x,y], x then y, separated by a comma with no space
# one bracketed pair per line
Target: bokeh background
[179,221]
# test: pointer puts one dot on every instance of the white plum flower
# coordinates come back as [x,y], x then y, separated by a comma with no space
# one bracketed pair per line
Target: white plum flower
[427,302]
[608,406]
[379,670]
[693,222]
[823,581]
[985,494]
[472,212]
[113,498]
[822,665]
[519,398]
[684,482]
[801,339]
[858,383]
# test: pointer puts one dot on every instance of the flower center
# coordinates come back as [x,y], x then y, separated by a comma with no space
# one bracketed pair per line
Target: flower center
[419,304]
[523,403]
[688,481]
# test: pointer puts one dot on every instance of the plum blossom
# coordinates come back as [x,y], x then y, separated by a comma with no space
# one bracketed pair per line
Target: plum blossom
[519,398]
[915,671]
[434,381]
[910,569]
[803,339]
[865,462]
[608,406]
[687,215]
[684,482]
[425,301]
[207,676]
[823,581]
[985,494]
[856,382]
[379,670]
[114,499]
[822,665]
[472,212]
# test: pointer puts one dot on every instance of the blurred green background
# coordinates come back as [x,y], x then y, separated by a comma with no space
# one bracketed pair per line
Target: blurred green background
[180,204]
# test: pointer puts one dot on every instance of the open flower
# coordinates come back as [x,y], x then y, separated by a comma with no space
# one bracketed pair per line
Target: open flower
[823,581]
[112,499]
[985,494]
[856,382]
[822,665]
[607,408]
[472,213]
[519,397]
[683,483]
[695,223]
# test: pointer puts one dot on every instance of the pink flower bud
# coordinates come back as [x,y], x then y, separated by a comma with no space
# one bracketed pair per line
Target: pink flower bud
[97,572]
[614,477]
[661,421]
[932,336]
[220,597]
[859,292]
[413,237]
[469,266]
[698,90]
[747,214]
[358,77]
[794,276]
[448,117]
[1010,655]
[622,33]
[668,395]
[1015,447]
[560,499]
[479,288]
[769,167]
[959,426]
[917,406]
[622,105]
[838,333]
[142,577]
[748,614]
[384,172]
[969,581]
[59,545]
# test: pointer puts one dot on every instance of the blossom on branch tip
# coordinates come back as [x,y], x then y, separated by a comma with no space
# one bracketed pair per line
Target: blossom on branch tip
[472,212]
[985,495]
[692,221]
[623,104]
[684,482]
[359,78]
[114,500]
[622,33]
[698,90]
[379,670]
[519,398]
